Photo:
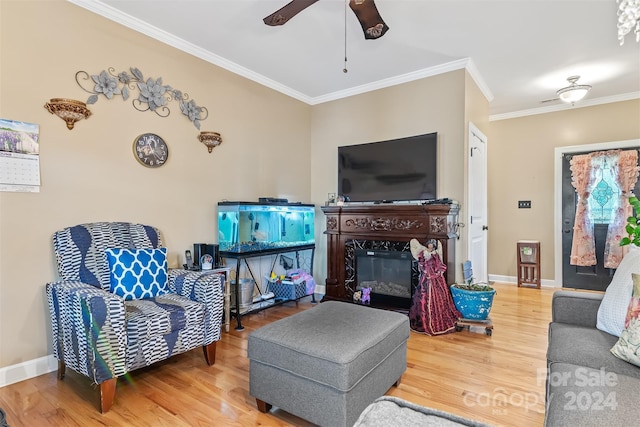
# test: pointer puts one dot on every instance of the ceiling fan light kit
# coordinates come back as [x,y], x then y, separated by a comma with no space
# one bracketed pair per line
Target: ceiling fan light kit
[628,17]
[373,26]
[574,92]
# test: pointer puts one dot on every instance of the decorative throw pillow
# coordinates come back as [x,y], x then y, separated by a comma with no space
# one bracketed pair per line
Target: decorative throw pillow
[613,308]
[628,346]
[137,273]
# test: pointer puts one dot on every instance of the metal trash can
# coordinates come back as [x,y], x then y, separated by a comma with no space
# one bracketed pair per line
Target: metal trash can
[246,293]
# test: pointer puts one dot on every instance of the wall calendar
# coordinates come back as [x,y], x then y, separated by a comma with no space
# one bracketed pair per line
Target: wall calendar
[19,156]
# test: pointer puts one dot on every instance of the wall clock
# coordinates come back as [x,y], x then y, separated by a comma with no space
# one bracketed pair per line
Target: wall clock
[150,150]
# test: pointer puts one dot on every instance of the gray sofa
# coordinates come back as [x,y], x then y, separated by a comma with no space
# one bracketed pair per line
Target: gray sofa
[586,384]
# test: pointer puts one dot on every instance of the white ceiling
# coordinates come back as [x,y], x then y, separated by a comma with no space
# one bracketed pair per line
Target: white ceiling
[518,51]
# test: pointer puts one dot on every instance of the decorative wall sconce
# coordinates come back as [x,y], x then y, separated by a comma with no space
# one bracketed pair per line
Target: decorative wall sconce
[68,110]
[210,139]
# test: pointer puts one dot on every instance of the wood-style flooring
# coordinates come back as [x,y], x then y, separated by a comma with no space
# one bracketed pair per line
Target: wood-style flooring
[496,379]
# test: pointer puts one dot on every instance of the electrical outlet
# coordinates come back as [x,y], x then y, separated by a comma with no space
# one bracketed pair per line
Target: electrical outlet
[524,204]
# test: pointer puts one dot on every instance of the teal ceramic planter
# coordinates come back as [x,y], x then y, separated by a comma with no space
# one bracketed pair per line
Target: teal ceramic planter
[474,305]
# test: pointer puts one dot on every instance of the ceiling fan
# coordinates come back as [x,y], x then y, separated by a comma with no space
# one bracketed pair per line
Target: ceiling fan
[365,10]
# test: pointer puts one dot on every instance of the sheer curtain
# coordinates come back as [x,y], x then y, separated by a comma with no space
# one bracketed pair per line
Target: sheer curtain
[583,249]
[626,173]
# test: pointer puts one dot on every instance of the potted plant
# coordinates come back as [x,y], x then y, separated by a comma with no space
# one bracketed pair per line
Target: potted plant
[633,229]
[473,300]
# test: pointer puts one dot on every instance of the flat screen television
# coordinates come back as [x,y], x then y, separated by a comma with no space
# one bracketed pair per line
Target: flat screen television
[404,169]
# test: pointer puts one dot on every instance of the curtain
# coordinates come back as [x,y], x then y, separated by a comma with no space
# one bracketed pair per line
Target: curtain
[626,173]
[583,250]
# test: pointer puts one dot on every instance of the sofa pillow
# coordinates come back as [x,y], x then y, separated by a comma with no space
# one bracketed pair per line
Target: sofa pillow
[137,273]
[613,308]
[633,311]
[628,346]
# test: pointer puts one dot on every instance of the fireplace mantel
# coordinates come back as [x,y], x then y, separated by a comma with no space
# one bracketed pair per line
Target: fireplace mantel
[385,222]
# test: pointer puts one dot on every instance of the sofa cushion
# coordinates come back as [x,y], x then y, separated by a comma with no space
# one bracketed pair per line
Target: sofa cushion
[80,249]
[613,308]
[587,347]
[628,346]
[137,273]
[161,315]
[576,308]
[580,396]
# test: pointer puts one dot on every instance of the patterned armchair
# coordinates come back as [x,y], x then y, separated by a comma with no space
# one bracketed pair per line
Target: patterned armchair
[103,335]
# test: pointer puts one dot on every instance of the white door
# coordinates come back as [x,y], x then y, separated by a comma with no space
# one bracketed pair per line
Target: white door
[477,220]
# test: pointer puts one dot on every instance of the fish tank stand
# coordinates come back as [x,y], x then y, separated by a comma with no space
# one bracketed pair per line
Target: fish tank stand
[243,256]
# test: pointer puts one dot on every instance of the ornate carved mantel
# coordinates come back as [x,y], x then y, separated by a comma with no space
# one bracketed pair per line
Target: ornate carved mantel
[385,222]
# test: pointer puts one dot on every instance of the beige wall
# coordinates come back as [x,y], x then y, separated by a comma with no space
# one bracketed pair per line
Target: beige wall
[521,167]
[435,104]
[90,174]
[476,107]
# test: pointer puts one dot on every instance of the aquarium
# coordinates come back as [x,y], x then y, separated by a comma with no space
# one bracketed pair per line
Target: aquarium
[245,227]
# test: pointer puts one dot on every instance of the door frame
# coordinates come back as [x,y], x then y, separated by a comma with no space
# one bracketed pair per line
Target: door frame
[557,214]
[474,131]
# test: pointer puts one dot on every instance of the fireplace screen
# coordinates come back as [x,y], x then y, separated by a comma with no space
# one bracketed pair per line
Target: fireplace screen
[387,273]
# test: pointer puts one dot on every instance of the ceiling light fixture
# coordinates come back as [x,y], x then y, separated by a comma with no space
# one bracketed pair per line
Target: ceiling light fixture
[628,17]
[574,92]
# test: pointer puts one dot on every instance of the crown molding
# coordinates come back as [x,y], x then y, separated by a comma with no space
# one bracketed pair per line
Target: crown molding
[393,81]
[459,64]
[140,26]
[477,77]
[563,106]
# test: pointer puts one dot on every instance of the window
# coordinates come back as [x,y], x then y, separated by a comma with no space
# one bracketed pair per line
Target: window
[604,198]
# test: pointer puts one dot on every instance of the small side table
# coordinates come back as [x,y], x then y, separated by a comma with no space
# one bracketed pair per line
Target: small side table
[529,263]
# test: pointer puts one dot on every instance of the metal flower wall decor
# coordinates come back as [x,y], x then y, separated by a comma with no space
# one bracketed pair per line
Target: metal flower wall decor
[153,94]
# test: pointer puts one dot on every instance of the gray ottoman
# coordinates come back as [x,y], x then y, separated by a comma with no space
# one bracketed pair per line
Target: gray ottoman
[328,363]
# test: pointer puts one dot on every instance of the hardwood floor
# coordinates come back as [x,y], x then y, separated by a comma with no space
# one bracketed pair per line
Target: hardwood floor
[498,380]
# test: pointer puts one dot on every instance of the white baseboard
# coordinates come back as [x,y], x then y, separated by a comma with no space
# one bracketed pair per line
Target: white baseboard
[502,279]
[514,280]
[29,369]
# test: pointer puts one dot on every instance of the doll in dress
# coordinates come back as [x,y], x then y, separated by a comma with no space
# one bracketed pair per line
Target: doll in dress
[432,310]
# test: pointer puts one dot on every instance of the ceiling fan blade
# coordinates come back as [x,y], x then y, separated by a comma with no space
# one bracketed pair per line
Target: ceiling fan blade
[288,11]
[544,101]
[367,13]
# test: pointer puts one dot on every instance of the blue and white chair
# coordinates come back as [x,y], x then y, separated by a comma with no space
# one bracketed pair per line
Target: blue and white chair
[117,308]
